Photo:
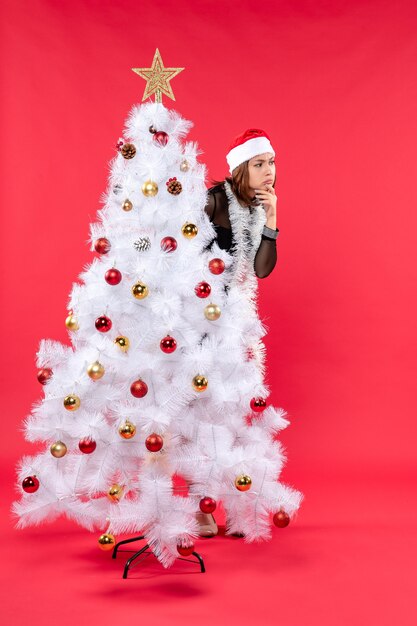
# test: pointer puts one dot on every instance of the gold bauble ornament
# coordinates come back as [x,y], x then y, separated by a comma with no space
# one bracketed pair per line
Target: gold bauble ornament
[140,290]
[72,402]
[95,370]
[115,492]
[106,541]
[123,343]
[71,322]
[184,166]
[58,449]
[127,430]
[243,482]
[149,188]
[189,230]
[212,312]
[127,205]
[200,383]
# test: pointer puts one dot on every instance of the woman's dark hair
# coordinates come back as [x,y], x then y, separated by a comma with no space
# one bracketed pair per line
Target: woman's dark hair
[239,183]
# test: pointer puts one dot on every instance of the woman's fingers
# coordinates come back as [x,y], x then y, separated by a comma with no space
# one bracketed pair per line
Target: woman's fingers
[268,199]
[265,197]
[264,193]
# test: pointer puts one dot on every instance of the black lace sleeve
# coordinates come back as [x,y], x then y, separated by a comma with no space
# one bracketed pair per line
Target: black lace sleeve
[217,207]
[266,257]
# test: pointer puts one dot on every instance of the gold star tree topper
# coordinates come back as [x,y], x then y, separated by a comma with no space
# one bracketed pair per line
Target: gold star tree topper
[157,78]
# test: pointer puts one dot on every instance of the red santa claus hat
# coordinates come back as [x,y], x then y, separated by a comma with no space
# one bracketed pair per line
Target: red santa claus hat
[252,142]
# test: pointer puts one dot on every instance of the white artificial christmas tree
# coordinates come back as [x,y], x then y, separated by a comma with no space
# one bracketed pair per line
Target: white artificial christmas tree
[165,374]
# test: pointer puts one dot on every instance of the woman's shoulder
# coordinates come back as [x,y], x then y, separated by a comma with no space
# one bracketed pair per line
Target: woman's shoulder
[217,188]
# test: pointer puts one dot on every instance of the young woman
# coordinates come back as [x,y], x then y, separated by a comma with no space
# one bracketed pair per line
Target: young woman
[251,160]
[243,210]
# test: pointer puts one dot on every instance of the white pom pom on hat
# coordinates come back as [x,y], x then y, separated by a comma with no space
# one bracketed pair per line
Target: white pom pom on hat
[252,142]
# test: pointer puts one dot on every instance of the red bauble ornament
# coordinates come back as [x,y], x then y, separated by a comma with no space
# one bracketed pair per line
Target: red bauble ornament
[154,442]
[216,266]
[102,245]
[281,519]
[87,445]
[207,505]
[160,137]
[168,344]
[258,405]
[44,374]
[30,484]
[139,388]
[113,276]
[202,290]
[103,324]
[185,550]
[168,244]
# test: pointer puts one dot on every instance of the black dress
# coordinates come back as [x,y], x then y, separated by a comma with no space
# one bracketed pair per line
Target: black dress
[217,209]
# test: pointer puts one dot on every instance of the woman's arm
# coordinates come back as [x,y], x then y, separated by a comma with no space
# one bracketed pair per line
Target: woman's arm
[266,256]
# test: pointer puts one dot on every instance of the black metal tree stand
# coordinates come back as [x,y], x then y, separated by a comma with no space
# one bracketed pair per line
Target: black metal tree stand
[146,551]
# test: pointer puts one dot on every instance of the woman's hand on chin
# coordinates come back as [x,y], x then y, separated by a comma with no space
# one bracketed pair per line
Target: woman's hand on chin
[269,201]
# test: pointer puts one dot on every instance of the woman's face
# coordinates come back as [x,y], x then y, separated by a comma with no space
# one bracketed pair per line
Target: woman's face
[261,171]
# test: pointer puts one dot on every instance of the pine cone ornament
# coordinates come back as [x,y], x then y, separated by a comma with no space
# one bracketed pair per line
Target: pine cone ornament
[128,150]
[142,244]
[174,186]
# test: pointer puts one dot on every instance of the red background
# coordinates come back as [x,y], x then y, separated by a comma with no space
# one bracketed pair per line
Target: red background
[334,85]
